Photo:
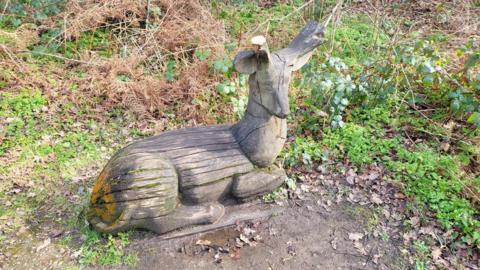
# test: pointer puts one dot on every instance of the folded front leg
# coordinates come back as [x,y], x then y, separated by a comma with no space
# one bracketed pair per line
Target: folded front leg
[258,182]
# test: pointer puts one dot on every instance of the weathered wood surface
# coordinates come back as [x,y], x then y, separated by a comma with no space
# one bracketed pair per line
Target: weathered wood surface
[148,174]
[201,156]
[256,182]
[179,178]
[233,215]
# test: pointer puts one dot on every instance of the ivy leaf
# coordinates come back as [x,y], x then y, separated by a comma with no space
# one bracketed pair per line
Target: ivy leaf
[225,88]
[428,67]
[474,119]
[155,10]
[455,104]
[473,60]
[291,183]
[222,65]
[16,22]
[453,95]
[40,16]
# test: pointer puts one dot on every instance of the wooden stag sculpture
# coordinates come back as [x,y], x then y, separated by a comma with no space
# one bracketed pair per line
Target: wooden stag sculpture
[181,177]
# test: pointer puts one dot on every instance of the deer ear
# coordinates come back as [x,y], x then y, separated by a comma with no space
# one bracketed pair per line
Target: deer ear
[245,62]
[298,62]
[303,45]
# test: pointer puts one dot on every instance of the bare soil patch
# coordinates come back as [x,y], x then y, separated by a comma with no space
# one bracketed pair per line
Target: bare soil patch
[305,236]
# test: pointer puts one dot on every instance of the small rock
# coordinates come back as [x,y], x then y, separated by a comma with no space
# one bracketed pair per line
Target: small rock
[334,243]
[247,231]
[376,257]
[322,169]
[386,213]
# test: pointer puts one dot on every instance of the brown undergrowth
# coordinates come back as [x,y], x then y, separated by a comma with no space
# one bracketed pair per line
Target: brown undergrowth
[145,36]
[458,21]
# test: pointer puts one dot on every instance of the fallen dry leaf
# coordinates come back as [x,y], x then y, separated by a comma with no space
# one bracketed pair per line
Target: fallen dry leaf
[376,199]
[201,242]
[350,177]
[245,239]
[429,230]
[436,253]
[55,233]
[373,176]
[414,221]
[376,257]
[359,246]
[355,236]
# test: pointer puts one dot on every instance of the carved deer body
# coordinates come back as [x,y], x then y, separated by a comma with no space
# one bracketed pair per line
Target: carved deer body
[179,178]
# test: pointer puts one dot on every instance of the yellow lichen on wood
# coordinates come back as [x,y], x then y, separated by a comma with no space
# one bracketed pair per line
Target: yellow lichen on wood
[102,201]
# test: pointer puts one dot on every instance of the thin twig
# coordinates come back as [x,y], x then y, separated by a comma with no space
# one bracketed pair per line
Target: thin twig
[408,136]
[5,7]
[147,24]
[333,14]
[434,123]
[280,19]
[12,57]
[335,17]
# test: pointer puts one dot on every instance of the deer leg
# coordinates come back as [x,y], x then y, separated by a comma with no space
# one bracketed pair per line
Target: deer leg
[248,186]
[185,216]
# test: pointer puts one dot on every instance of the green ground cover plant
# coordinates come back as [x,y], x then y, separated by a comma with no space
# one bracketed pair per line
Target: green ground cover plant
[368,85]
[25,11]
[106,250]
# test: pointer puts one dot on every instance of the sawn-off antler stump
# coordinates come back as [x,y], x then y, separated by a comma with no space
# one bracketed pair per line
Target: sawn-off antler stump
[181,177]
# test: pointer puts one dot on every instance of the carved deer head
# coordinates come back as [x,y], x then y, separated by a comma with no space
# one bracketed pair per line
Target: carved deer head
[270,72]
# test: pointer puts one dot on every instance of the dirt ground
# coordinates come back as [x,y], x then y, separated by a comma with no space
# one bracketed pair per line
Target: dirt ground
[302,236]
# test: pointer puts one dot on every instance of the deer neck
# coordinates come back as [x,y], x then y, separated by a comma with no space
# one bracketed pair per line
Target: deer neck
[260,134]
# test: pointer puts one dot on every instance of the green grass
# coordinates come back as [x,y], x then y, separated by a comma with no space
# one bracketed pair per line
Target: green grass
[356,39]
[106,249]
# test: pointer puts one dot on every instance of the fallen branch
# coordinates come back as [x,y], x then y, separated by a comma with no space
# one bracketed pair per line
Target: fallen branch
[13,58]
